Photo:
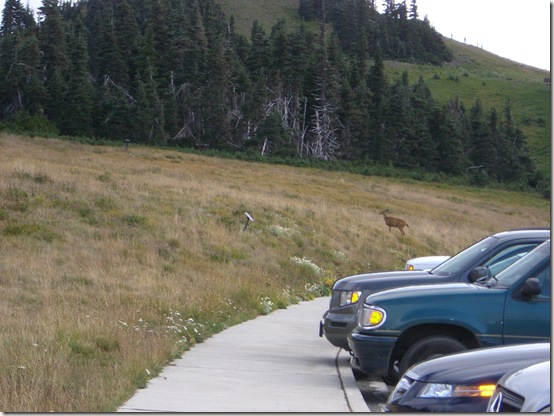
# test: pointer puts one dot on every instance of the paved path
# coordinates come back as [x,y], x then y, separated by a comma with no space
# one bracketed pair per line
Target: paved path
[274,363]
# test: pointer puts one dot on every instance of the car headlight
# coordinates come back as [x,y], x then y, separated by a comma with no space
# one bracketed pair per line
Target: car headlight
[401,388]
[371,316]
[435,390]
[349,297]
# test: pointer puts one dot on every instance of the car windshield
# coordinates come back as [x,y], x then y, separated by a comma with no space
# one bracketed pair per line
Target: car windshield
[466,258]
[523,267]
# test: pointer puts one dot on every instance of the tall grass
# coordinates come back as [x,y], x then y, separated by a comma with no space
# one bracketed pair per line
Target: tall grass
[113,262]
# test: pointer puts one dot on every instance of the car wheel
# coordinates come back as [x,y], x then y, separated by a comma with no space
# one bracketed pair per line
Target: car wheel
[430,347]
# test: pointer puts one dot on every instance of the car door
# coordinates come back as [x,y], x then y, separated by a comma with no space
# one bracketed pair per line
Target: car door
[528,320]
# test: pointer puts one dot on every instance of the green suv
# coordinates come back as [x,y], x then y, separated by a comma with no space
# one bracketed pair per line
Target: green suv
[400,327]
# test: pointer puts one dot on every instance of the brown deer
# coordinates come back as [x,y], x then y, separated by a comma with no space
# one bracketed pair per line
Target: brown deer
[394,222]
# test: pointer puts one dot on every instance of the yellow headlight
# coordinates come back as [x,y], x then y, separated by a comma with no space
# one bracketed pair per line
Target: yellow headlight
[372,316]
[484,390]
[349,297]
[487,390]
[433,390]
[376,317]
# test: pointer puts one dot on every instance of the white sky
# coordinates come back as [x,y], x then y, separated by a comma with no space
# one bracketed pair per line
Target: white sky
[515,29]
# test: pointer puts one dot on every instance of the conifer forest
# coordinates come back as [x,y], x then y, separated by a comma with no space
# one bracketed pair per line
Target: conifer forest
[176,73]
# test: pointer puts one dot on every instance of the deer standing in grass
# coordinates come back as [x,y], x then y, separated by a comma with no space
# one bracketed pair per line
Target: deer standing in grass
[394,222]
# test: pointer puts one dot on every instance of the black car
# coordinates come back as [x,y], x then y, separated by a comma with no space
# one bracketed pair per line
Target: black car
[462,382]
[490,255]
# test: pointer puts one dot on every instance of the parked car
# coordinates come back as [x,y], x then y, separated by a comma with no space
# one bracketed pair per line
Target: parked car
[425,263]
[400,327]
[525,390]
[469,265]
[462,382]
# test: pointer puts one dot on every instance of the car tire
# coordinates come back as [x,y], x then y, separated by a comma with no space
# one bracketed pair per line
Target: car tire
[427,348]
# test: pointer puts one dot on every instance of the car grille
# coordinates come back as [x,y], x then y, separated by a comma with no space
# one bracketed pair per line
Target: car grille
[506,401]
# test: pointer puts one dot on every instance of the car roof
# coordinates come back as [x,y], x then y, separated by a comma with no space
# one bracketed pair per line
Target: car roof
[524,232]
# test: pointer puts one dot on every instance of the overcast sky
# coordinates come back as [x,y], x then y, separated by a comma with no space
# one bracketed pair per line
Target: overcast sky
[515,29]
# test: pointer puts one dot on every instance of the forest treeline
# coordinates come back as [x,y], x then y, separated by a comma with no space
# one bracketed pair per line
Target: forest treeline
[175,73]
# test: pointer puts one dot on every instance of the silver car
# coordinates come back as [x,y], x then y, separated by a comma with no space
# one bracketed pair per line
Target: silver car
[525,390]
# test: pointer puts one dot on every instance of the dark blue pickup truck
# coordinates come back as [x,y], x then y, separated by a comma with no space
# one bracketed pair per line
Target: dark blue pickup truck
[400,327]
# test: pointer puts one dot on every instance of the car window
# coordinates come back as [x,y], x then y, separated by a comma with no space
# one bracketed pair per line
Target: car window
[528,265]
[507,257]
[466,258]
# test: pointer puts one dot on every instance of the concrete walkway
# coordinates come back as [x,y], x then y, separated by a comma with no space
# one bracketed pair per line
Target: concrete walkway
[275,363]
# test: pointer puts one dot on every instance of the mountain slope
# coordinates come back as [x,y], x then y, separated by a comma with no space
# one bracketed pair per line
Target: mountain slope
[473,74]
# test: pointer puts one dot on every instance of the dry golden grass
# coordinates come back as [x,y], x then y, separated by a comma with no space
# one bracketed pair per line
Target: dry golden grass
[114,262]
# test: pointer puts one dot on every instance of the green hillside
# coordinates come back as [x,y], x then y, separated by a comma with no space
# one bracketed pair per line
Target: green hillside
[473,73]
[477,74]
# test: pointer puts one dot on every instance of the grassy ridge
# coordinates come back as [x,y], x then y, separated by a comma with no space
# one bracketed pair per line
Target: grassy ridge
[473,73]
[265,12]
[114,262]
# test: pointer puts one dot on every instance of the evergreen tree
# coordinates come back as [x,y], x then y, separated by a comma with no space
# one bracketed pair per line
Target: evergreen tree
[158,20]
[78,109]
[146,113]
[9,97]
[145,59]
[422,147]
[126,33]
[514,161]
[196,54]
[111,113]
[258,59]
[54,58]
[13,17]
[396,124]
[19,75]
[33,92]
[450,155]
[377,84]
[216,98]
[279,53]
[110,60]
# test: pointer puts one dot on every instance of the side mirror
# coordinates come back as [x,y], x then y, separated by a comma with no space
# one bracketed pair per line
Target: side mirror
[531,287]
[478,273]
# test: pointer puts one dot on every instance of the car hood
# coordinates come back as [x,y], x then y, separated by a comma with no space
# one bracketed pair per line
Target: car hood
[434,292]
[371,280]
[487,364]
[532,383]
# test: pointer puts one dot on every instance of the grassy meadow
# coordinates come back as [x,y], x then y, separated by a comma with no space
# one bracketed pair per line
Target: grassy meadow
[114,262]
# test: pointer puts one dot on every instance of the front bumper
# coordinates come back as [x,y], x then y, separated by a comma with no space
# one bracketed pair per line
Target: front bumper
[371,353]
[336,327]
